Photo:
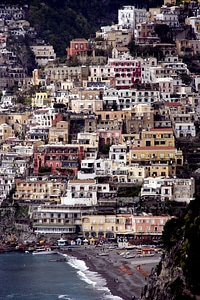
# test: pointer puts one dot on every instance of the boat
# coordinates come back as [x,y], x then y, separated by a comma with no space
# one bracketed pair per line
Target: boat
[130,247]
[43,250]
[130,255]
[104,254]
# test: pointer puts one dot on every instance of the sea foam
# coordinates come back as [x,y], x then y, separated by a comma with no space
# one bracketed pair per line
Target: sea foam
[93,279]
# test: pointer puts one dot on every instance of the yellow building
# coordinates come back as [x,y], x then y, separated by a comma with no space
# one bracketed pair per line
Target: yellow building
[151,155]
[106,226]
[157,137]
[161,170]
[5,132]
[59,133]
[131,139]
[41,99]
[13,118]
[112,119]
[3,118]
[38,190]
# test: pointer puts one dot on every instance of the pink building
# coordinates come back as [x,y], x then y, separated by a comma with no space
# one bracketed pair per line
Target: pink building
[148,227]
[111,137]
[78,46]
[127,73]
[58,158]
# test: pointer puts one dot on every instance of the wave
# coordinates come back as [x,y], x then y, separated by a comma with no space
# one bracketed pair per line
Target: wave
[93,279]
[64,297]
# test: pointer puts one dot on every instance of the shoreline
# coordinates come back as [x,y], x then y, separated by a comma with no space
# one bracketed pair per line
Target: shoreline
[125,278]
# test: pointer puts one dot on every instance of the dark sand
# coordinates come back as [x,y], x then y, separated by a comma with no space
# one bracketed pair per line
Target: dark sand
[125,277]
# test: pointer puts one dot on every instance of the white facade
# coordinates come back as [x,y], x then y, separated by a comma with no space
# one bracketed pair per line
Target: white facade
[168,18]
[43,117]
[118,153]
[83,192]
[129,98]
[172,189]
[195,23]
[183,129]
[129,16]
[166,87]
[7,183]
[43,54]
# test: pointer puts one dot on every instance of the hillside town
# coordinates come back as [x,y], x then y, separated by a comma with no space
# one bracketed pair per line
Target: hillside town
[97,147]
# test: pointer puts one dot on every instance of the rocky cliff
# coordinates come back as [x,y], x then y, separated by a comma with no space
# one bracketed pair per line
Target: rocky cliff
[177,276]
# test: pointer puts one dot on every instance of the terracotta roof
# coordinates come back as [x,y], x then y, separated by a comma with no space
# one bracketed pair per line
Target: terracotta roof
[41,110]
[82,181]
[173,104]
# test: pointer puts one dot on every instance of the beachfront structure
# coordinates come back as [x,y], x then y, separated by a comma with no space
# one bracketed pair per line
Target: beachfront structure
[106,226]
[56,219]
[146,227]
[123,225]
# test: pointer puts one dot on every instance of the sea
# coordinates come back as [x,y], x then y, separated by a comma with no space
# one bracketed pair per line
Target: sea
[24,276]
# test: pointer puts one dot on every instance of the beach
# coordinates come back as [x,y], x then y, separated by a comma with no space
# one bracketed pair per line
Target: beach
[125,277]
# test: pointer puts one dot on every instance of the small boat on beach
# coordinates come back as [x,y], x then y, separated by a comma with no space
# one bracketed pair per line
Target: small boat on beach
[129,256]
[43,250]
[104,254]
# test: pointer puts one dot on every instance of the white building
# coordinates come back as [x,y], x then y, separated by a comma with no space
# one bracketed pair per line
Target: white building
[83,192]
[129,98]
[118,153]
[129,16]
[169,189]
[43,118]
[43,54]
[55,219]
[169,18]
[183,129]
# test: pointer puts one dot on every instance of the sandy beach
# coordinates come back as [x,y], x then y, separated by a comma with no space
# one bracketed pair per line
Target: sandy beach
[125,276]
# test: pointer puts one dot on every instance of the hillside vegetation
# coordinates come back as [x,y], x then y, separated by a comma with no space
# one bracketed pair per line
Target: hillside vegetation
[59,21]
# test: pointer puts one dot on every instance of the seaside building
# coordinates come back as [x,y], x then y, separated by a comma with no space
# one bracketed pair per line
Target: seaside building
[123,226]
[56,220]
